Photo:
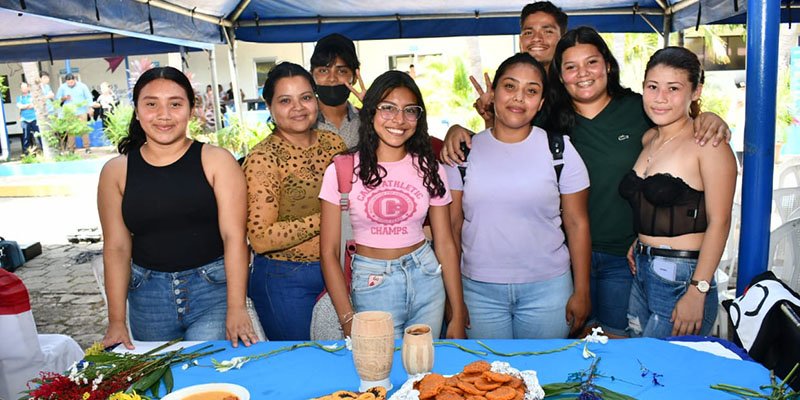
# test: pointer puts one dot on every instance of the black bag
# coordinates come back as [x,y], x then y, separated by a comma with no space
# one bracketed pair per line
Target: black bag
[766,324]
[11,256]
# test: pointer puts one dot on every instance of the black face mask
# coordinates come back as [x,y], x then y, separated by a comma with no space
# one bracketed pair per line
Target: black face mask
[333,95]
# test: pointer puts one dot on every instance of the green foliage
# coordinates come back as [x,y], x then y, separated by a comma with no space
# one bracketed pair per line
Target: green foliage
[240,138]
[68,157]
[3,86]
[461,85]
[117,122]
[784,109]
[31,156]
[448,94]
[64,123]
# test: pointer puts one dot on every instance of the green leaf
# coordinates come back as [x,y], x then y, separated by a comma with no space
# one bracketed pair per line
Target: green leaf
[558,389]
[168,381]
[147,381]
[154,387]
[609,394]
[103,357]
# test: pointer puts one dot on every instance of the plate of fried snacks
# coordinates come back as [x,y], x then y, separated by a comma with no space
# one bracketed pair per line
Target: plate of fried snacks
[478,381]
[210,391]
[373,393]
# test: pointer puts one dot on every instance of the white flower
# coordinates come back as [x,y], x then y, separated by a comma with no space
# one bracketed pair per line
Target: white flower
[348,344]
[597,336]
[185,367]
[233,363]
[195,362]
[586,352]
[129,378]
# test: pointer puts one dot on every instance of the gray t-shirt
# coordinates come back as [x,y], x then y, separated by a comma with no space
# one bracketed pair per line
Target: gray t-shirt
[511,201]
[349,129]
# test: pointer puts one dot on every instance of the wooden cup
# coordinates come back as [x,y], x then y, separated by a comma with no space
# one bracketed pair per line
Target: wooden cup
[418,349]
[372,337]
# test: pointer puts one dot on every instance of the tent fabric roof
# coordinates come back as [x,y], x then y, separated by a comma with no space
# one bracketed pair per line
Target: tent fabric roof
[174,23]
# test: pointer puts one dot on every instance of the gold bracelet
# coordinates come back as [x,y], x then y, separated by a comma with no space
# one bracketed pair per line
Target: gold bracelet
[347,318]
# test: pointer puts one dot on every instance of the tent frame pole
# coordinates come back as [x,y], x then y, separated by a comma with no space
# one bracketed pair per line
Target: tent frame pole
[237,98]
[763,22]
[212,60]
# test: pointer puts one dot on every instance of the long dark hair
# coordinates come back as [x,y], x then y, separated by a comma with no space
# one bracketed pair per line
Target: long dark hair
[418,145]
[684,60]
[136,136]
[560,100]
[280,71]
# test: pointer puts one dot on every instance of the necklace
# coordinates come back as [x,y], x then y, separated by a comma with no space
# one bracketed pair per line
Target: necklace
[652,153]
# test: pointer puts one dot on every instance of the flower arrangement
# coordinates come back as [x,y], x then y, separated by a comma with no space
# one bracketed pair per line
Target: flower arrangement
[103,375]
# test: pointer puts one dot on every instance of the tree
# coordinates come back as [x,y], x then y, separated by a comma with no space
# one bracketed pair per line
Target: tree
[32,76]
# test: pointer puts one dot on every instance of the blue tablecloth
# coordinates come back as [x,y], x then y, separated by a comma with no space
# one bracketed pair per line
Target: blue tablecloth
[310,372]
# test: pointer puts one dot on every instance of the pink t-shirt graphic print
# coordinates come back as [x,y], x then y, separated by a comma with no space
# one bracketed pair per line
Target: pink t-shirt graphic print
[389,216]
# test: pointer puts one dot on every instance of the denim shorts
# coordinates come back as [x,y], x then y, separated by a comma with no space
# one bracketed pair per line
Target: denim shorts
[654,295]
[284,294]
[535,310]
[409,287]
[189,304]
[610,288]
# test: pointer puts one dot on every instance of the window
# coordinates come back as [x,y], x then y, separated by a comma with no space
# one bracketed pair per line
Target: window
[735,48]
[262,69]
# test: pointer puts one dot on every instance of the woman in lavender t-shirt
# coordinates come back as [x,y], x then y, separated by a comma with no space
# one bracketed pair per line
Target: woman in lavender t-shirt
[507,215]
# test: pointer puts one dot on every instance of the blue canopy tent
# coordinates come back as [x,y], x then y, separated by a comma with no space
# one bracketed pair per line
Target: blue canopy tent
[225,21]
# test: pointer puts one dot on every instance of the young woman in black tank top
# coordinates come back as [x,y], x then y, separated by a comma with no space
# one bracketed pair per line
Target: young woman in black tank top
[173,216]
[682,195]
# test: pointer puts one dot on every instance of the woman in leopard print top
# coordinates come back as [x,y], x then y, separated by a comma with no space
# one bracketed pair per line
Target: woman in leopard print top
[284,175]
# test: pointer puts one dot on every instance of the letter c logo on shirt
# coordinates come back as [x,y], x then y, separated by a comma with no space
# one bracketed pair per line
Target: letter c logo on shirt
[390,207]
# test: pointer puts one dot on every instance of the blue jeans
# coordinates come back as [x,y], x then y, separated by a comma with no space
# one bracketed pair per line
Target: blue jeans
[409,287]
[653,297]
[284,294]
[610,287]
[28,137]
[535,310]
[191,304]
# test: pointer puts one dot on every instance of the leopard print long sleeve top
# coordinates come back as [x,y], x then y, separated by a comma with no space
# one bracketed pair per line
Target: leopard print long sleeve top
[283,182]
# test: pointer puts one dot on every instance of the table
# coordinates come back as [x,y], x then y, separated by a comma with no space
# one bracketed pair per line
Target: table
[310,372]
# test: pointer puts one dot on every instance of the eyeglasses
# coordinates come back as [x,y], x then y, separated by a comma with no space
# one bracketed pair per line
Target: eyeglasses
[410,113]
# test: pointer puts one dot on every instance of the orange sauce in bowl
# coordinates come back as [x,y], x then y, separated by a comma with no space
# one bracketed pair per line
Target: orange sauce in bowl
[213,395]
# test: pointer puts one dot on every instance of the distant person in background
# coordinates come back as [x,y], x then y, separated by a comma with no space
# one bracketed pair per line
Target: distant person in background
[47,93]
[334,66]
[77,94]
[106,100]
[27,119]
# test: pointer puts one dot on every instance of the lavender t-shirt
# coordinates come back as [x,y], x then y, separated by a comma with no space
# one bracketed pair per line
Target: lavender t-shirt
[512,222]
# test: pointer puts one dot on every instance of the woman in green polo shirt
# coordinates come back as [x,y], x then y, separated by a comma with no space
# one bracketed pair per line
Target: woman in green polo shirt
[606,123]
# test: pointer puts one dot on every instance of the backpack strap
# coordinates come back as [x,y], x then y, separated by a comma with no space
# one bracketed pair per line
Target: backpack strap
[344,165]
[556,143]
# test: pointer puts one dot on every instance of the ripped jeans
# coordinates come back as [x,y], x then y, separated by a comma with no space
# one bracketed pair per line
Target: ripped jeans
[654,294]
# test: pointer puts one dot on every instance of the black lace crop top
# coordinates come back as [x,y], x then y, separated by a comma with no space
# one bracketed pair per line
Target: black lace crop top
[664,205]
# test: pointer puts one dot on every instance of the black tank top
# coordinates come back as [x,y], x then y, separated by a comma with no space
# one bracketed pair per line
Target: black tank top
[171,213]
[664,205]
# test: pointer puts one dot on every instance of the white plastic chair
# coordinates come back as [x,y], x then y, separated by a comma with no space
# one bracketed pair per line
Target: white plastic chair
[786,201]
[99,275]
[784,253]
[725,270]
[789,173]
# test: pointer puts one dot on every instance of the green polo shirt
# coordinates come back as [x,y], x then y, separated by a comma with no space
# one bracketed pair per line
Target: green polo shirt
[609,144]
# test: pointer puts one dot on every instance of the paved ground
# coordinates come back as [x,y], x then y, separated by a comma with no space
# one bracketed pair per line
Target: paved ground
[64,294]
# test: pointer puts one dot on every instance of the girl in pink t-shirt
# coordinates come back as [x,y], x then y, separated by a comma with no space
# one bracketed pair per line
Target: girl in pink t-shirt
[397,181]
